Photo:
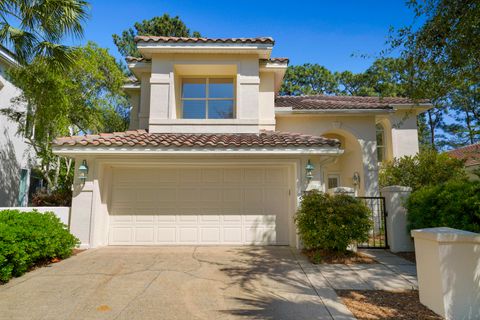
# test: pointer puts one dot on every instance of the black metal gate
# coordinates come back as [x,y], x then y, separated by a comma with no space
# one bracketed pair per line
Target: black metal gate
[378,234]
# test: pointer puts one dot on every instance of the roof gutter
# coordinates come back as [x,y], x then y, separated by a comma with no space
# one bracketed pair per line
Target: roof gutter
[95,150]
[290,111]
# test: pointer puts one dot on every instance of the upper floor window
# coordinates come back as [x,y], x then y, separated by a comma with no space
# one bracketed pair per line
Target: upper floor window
[208,98]
[380,142]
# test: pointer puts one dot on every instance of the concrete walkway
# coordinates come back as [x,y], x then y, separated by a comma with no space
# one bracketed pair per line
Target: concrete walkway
[391,273]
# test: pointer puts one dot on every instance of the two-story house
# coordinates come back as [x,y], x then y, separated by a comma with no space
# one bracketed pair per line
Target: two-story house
[16,155]
[214,156]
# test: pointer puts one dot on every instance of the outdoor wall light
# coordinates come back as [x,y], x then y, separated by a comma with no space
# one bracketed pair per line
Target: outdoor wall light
[356,179]
[83,171]
[309,170]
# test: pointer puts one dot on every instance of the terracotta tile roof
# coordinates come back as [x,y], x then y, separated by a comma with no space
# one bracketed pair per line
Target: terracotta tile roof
[322,102]
[469,153]
[278,60]
[159,39]
[136,59]
[243,140]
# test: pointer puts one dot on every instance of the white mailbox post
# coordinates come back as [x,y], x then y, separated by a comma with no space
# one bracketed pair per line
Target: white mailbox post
[448,267]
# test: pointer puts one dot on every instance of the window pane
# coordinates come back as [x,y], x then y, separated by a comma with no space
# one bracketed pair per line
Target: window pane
[194,88]
[194,109]
[380,153]
[220,88]
[332,182]
[220,109]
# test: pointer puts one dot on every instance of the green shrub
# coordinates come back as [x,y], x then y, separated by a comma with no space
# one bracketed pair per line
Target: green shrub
[27,238]
[454,204]
[427,168]
[332,222]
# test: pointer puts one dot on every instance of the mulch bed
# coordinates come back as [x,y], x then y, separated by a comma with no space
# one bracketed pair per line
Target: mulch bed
[372,305]
[334,257]
[410,256]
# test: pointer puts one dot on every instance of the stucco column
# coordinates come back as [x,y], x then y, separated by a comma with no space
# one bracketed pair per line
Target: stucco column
[144,112]
[399,240]
[82,200]
[448,267]
[404,133]
[370,166]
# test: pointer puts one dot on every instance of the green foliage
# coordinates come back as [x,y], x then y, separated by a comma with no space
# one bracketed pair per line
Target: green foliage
[31,237]
[157,26]
[308,79]
[332,222]
[87,97]
[426,168]
[442,46]
[454,204]
[387,77]
[36,28]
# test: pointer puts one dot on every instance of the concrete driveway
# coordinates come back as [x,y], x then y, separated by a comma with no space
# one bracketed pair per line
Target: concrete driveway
[167,283]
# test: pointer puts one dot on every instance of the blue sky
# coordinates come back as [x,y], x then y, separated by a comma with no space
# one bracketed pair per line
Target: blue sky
[324,32]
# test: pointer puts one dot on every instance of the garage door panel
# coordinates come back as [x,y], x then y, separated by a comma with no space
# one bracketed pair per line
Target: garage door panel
[121,235]
[209,219]
[166,235]
[254,175]
[258,235]
[210,234]
[233,175]
[145,235]
[187,219]
[140,218]
[212,176]
[232,235]
[199,206]
[188,234]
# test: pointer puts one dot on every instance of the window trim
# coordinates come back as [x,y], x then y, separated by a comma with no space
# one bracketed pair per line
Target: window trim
[207,98]
[334,175]
[379,127]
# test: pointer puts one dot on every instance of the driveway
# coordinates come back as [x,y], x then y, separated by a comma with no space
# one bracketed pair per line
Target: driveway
[169,283]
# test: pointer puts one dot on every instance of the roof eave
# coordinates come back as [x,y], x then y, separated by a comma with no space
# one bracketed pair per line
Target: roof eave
[71,151]
[290,111]
[263,50]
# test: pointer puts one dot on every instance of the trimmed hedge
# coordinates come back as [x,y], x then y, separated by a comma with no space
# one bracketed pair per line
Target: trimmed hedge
[27,238]
[332,222]
[454,204]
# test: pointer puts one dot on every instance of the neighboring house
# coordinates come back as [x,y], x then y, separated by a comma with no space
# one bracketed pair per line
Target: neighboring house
[471,155]
[214,156]
[15,155]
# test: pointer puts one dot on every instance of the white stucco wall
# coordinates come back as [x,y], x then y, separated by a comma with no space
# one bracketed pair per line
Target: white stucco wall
[360,145]
[160,94]
[15,154]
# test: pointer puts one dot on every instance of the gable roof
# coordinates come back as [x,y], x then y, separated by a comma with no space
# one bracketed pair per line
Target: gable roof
[160,39]
[141,138]
[471,154]
[323,102]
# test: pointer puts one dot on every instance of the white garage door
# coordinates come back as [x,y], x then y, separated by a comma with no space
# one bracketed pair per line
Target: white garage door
[247,205]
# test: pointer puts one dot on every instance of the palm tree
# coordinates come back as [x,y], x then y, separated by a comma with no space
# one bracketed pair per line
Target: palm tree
[35,28]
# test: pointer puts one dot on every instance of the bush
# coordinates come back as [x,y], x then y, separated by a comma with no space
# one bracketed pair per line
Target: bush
[27,238]
[454,204]
[426,168]
[332,222]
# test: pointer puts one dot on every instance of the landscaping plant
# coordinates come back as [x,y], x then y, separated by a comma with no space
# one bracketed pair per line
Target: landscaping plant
[454,204]
[332,222]
[426,168]
[29,238]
